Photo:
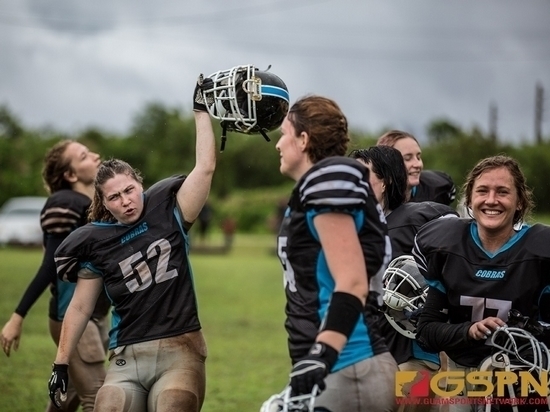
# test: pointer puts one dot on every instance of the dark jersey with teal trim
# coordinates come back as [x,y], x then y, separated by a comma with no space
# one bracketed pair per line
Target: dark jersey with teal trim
[405,221]
[434,186]
[63,212]
[403,225]
[333,185]
[468,284]
[144,266]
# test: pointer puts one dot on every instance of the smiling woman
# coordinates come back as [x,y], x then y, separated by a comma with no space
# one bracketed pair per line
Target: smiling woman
[481,269]
[422,185]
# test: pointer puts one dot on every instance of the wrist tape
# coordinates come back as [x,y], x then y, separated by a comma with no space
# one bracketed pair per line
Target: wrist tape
[343,313]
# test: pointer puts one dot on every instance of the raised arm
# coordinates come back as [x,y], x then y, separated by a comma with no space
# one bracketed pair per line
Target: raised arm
[194,191]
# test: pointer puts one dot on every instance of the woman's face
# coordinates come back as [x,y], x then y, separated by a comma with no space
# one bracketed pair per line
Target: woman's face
[494,200]
[84,163]
[122,196]
[412,155]
[291,151]
[377,185]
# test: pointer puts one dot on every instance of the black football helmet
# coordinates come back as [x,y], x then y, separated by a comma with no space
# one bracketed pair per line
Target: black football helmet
[247,100]
[405,292]
[516,350]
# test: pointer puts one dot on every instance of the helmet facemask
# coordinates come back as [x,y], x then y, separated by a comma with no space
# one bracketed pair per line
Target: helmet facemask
[517,350]
[405,292]
[286,402]
[246,100]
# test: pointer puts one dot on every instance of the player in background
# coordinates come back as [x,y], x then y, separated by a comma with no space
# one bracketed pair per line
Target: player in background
[478,269]
[137,249]
[68,173]
[422,184]
[332,241]
[388,179]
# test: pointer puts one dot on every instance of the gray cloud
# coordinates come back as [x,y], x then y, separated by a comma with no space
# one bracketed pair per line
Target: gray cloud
[387,62]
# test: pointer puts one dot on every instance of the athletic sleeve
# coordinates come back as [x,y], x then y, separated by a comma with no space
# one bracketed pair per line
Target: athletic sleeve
[63,212]
[45,276]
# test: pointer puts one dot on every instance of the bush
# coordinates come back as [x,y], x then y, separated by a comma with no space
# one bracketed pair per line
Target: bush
[252,209]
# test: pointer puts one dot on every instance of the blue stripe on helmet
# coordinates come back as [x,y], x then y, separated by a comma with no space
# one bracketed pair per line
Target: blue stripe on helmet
[275,91]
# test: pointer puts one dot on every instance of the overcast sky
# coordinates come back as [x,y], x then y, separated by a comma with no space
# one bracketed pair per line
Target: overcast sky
[73,64]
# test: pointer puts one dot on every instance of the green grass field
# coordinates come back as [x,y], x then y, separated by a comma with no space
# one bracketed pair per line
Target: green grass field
[241,306]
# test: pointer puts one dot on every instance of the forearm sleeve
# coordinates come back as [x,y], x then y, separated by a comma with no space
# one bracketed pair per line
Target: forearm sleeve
[45,276]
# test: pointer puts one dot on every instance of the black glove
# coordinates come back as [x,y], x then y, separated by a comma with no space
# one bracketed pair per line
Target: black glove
[58,382]
[313,369]
[198,97]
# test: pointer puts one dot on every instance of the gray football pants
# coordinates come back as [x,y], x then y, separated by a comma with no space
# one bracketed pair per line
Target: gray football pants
[366,386]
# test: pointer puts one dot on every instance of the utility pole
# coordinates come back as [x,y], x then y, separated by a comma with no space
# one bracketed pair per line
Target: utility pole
[539,103]
[493,117]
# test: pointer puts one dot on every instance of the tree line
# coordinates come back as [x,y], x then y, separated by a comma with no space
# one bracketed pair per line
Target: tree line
[161,142]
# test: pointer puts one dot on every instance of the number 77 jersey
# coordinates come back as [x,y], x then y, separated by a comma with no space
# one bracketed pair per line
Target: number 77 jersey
[144,267]
[478,284]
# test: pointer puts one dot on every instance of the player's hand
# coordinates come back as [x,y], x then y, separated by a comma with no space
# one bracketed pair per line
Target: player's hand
[485,328]
[313,369]
[58,383]
[11,334]
[199,104]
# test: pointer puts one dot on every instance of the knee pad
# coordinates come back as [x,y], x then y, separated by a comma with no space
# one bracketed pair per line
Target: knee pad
[113,398]
[175,400]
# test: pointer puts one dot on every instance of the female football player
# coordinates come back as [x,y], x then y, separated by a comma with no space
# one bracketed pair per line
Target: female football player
[137,249]
[388,178]
[68,173]
[423,184]
[332,241]
[479,269]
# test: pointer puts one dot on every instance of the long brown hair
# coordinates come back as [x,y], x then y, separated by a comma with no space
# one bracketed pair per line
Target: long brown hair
[325,124]
[107,170]
[55,167]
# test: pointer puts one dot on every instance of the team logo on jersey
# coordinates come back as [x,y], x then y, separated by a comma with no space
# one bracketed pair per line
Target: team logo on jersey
[490,274]
[120,362]
[134,233]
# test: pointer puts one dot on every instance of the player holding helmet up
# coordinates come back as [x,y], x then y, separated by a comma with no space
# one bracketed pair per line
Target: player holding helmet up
[479,269]
[136,248]
[332,241]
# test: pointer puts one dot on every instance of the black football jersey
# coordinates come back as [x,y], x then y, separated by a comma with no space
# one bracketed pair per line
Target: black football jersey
[63,212]
[435,186]
[340,185]
[405,221]
[476,284]
[144,266]
[403,225]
